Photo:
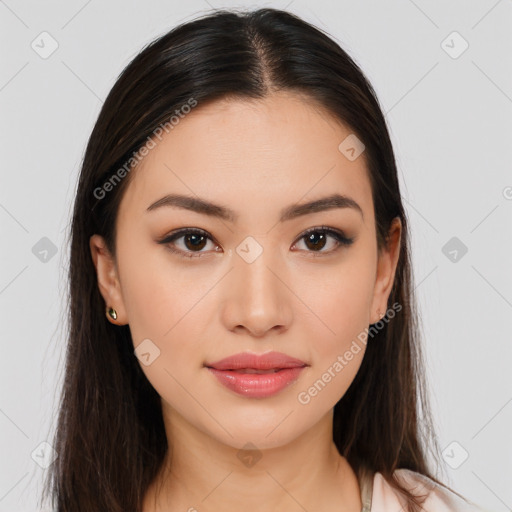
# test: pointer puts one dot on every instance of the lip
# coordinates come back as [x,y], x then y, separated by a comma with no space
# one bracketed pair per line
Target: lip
[236,372]
[266,361]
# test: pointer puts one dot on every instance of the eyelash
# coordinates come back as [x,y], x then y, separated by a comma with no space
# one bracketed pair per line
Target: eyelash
[340,238]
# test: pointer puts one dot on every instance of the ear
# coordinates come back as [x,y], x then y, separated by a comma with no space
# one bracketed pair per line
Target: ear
[386,268]
[108,279]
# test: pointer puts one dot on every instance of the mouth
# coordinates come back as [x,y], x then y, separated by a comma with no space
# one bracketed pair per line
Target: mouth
[255,370]
[257,376]
[252,362]
[252,383]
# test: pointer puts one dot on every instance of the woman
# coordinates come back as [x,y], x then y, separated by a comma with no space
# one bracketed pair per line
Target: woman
[242,321]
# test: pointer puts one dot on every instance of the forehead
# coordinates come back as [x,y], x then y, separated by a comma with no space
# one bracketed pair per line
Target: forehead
[251,153]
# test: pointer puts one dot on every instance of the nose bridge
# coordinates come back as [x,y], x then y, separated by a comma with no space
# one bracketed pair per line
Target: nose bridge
[253,262]
[257,299]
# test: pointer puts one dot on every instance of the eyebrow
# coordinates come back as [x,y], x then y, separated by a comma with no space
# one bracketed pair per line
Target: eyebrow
[196,204]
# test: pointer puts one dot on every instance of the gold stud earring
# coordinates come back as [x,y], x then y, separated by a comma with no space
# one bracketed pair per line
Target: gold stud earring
[112,313]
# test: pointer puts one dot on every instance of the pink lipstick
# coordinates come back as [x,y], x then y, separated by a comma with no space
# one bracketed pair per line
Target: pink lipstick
[257,376]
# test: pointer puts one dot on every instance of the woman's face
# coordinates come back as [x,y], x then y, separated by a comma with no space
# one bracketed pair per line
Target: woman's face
[250,280]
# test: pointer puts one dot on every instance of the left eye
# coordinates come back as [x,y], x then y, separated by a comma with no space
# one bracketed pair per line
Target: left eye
[316,239]
[194,240]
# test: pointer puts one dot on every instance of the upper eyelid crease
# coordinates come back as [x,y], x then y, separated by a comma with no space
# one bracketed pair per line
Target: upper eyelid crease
[341,238]
[293,211]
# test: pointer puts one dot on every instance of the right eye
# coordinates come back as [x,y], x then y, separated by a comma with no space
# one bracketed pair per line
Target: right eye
[193,241]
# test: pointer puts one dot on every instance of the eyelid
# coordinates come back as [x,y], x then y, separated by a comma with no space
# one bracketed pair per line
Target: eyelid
[340,237]
[167,239]
[336,233]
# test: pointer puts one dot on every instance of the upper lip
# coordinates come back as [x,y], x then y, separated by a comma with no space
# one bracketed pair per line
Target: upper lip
[267,361]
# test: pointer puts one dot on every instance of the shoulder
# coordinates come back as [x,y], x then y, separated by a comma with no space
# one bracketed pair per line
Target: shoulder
[439,499]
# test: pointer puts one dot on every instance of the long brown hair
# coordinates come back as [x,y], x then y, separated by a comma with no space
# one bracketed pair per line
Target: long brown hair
[110,436]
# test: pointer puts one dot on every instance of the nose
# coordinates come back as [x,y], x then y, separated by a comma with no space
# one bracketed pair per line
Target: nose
[256,297]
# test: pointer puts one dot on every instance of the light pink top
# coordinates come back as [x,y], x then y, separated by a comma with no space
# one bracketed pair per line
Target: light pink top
[377,494]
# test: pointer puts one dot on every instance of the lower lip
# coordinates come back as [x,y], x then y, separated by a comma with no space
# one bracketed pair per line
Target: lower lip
[257,385]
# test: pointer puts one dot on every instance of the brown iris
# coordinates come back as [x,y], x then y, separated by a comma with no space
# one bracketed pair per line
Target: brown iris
[196,241]
[317,240]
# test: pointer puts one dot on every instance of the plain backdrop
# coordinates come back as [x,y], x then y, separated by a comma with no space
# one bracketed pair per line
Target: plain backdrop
[442,72]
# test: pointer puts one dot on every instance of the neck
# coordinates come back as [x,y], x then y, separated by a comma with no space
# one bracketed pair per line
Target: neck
[202,473]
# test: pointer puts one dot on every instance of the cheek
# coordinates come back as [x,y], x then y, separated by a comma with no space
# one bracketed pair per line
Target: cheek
[167,305]
[337,302]
[337,342]
[150,288]
[340,297]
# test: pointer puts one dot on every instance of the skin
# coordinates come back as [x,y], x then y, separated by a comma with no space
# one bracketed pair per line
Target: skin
[255,157]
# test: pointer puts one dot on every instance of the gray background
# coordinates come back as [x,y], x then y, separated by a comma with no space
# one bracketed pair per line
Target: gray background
[449,117]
